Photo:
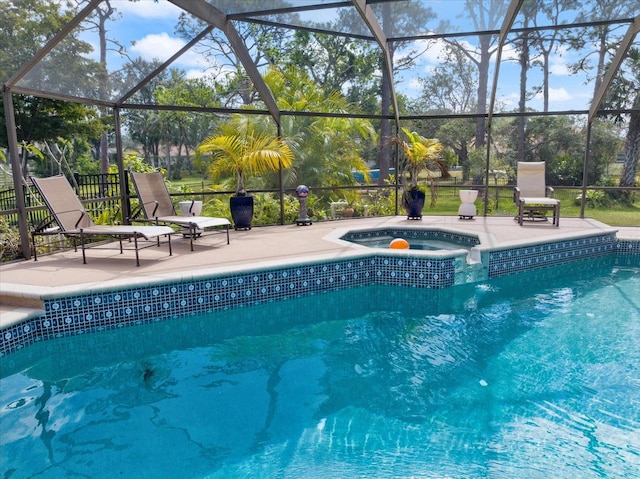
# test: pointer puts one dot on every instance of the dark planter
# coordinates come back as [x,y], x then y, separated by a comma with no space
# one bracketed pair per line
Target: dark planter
[241,211]
[414,203]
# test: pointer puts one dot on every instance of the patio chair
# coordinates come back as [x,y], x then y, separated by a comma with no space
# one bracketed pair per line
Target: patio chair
[531,195]
[157,207]
[73,221]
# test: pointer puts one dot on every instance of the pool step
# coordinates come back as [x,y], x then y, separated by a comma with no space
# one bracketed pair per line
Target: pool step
[15,309]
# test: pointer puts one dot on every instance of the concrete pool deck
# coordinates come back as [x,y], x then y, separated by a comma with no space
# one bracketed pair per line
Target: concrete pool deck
[21,283]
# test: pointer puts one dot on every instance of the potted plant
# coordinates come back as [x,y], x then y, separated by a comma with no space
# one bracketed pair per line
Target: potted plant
[420,154]
[245,153]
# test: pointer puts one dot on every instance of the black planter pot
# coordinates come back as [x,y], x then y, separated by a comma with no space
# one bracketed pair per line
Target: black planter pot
[241,211]
[414,204]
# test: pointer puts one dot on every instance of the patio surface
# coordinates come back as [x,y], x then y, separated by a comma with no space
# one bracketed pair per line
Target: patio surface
[23,282]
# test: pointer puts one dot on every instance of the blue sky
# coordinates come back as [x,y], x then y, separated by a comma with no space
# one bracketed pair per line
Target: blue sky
[146,29]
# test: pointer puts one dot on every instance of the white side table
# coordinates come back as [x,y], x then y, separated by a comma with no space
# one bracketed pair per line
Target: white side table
[467,209]
[191,208]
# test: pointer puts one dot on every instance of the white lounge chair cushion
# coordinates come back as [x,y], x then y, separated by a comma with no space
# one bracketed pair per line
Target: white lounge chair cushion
[201,222]
[127,230]
[539,201]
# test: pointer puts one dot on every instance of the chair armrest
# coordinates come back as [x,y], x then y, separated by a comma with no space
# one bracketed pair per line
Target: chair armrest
[153,202]
[82,213]
[550,192]
[43,225]
[516,194]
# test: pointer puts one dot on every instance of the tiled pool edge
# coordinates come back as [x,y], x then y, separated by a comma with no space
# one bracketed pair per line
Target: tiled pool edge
[101,310]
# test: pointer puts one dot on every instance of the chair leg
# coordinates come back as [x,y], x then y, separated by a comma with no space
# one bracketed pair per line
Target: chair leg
[84,257]
[520,213]
[135,243]
[35,251]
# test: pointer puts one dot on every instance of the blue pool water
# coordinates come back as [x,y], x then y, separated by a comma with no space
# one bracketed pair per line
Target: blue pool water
[426,244]
[530,376]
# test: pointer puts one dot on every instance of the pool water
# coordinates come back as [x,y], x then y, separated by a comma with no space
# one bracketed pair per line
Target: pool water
[427,244]
[530,376]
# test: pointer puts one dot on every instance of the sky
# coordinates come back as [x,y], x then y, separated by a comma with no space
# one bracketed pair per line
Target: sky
[146,28]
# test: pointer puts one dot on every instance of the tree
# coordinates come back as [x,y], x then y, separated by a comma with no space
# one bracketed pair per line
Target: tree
[395,19]
[625,93]
[546,41]
[225,67]
[327,149]
[599,36]
[26,25]
[334,63]
[142,125]
[485,16]
[422,154]
[242,151]
[450,89]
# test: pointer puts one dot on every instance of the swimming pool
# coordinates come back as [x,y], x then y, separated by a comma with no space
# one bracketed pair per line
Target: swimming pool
[531,375]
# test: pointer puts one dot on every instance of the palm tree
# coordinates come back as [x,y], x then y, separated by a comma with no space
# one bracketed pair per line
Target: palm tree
[422,154]
[245,153]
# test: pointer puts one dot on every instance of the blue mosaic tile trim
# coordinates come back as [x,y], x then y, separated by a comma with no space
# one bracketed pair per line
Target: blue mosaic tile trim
[631,247]
[516,260]
[407,233]
[19,336]
[98,312]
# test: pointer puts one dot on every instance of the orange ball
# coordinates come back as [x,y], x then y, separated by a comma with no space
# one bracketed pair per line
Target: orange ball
[399,243]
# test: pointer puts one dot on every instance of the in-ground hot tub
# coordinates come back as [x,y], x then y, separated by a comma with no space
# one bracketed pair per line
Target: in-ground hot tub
[431,251]
[427,239]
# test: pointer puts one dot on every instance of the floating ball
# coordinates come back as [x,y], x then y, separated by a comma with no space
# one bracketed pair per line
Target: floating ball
[399,243]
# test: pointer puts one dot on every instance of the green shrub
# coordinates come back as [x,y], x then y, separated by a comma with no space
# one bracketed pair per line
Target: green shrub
[10,244]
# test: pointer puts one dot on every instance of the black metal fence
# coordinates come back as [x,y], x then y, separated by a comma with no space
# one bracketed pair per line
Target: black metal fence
[104,188]
[101,195]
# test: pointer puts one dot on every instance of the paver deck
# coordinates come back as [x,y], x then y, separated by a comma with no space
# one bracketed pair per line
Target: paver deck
[260,247]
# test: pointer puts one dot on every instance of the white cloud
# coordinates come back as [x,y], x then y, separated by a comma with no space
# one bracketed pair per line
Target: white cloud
[558,66]
[161,46]
[147,8]
[557,95]
[558,61]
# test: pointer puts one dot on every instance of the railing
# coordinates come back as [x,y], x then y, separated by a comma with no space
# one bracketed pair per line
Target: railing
[104,189]
[101,193]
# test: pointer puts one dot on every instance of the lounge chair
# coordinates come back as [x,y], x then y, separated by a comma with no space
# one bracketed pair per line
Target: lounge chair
[157,207]
[531,195]
[73,221]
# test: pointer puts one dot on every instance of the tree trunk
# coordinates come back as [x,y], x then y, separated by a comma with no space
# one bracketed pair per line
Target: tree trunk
[168,157]
[631,150]
[104,153]
[602,56]
[103,16]
[524,65]
[384,155]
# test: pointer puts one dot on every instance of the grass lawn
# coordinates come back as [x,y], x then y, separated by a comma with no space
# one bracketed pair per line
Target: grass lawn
[449,201]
